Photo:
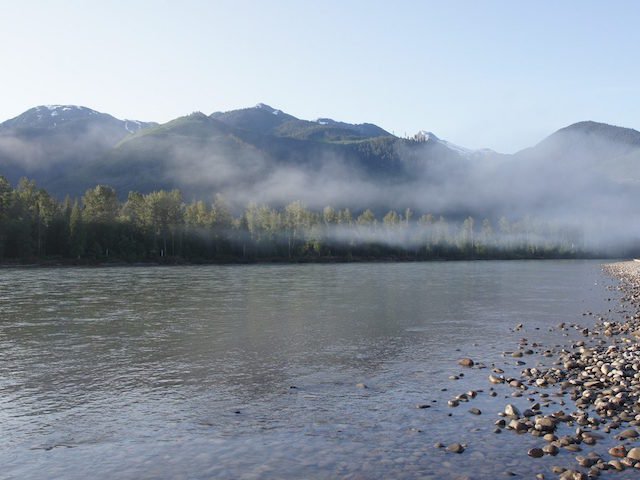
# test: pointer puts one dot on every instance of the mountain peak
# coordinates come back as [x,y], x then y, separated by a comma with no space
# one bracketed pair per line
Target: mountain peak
[425,136]
[264,106]
[53,116]
[70,119]
[601,131]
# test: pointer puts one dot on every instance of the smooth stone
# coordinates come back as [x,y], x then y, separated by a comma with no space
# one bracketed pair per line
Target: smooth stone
[618,451]
[634,453]
[519,427]
[535,453]
[455,448]
[617,465]
[631,433]
[545,424]
[511,411]
[573,448]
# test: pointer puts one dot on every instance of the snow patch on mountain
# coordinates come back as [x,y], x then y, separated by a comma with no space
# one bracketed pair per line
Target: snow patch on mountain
[426,137]
[264,106]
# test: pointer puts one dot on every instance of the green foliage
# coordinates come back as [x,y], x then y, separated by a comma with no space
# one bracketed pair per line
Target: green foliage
[100,204]
[159,226]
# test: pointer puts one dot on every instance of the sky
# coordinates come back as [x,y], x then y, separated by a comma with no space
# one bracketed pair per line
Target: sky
[482,74]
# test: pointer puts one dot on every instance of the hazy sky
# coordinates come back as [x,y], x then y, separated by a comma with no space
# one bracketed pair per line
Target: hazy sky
[497,74]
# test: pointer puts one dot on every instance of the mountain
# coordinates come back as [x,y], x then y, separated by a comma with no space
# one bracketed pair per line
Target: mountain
[263,154]
[69,117]
[67,149]
[49,142]
[600,132]
[270,121]
[589,140]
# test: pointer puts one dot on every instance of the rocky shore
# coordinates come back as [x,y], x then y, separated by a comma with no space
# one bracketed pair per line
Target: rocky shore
[583,399]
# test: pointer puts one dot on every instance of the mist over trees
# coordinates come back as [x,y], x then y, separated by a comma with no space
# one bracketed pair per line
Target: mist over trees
[161,227]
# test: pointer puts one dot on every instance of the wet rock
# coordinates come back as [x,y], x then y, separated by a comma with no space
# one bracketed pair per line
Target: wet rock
[619,451]
[466,362]
[545,424]
[518,426]
[616,465]
[511,411]
[634,454]
[627,434]
[585,461]
[455,448]
[535,453]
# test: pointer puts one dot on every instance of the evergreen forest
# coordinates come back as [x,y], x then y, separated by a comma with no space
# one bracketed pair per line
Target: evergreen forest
[160,227]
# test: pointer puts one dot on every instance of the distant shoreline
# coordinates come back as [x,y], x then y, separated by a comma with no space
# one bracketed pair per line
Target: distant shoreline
[67,263]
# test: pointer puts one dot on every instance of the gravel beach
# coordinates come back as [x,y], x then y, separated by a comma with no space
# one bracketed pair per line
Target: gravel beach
[587,400]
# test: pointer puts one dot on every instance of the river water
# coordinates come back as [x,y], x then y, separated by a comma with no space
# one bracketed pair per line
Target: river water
[257,371]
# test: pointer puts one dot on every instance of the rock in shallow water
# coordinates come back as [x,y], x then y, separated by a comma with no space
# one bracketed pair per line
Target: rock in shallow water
[455,448]
[511,411]
[466,362]
[535,453]
[634,453]
[618,451]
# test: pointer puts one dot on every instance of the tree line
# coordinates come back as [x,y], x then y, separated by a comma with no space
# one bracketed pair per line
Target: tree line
[161,227]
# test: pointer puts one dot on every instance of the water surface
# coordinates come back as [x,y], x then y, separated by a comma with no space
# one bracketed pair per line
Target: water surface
[253,371]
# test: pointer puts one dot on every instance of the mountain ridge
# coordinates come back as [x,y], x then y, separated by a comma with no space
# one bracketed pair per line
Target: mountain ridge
[263,154]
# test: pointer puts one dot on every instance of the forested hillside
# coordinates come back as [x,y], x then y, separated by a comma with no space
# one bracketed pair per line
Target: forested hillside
[161,227]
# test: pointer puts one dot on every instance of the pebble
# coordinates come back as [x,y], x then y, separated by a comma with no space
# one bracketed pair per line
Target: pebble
[618,451]
[466,362]
[535,453]
[511,411]
[455,448]
[596,379]
[631,433]
[634,453]
[545,424]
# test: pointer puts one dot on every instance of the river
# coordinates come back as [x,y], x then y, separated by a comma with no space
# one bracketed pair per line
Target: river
[258,371]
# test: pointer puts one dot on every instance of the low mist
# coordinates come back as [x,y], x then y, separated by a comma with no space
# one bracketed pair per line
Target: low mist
[582,190]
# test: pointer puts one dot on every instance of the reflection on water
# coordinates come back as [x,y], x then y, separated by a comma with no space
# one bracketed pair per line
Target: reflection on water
[251,371]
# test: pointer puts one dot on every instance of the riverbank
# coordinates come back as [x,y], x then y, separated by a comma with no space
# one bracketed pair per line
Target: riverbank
[57,262]
[583,398]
